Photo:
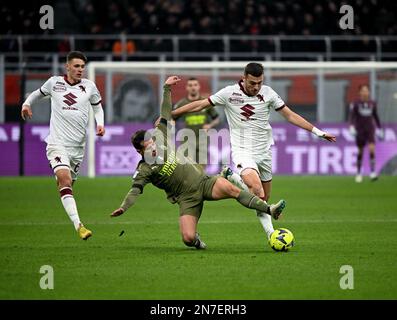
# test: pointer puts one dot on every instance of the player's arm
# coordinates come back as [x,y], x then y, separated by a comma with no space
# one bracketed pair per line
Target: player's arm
[352,119]
[140,180]
[99,118]
[26,112]
[301,122]
[214,119]
[194,106]
[376,117]
[96,104]
[43,91]
[166,105]
[379,131]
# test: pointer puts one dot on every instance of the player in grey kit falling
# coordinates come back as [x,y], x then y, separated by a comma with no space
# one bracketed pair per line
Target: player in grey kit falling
[364,124]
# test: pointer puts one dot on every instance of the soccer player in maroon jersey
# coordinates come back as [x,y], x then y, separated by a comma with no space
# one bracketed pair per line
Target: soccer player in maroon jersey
[364,125]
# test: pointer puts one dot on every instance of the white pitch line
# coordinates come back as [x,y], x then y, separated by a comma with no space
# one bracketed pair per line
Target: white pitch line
[201,222]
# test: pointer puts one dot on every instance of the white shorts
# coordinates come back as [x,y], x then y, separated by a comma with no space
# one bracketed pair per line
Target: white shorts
[61,157]
[262,164]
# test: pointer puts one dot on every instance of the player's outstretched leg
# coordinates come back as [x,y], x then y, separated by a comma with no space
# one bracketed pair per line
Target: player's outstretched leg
[223,189]
[233,177]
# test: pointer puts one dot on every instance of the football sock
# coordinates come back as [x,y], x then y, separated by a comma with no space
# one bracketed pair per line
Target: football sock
[359,161]
[266,221]
[237,181]
[372,162]
[69,204]
[251,201]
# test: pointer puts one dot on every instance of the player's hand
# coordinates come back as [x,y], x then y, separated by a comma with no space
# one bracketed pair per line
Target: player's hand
[172,80]
[100,131]
[26,112]
[380,134]
[117,212]
[353,131]
[206,127]
[329,137]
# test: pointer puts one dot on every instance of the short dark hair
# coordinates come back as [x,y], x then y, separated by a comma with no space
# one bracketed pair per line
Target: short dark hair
[254,69]
[137,139]
[76,55]
[192,79]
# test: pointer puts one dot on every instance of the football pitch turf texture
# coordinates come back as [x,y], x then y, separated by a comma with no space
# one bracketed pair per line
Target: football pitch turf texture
[335,222]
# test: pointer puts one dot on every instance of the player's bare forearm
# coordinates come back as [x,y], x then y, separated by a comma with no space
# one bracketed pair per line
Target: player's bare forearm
[296,119]
[301,122]
[166,105]
[212,124]
[191,107]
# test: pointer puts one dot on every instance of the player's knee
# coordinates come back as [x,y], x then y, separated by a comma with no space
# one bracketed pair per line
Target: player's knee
[232,190]
[65,183]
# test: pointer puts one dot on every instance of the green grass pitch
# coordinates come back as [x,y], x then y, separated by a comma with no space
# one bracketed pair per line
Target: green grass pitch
[335,221]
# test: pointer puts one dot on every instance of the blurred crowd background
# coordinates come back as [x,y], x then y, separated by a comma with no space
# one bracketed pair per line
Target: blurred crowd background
[195,17]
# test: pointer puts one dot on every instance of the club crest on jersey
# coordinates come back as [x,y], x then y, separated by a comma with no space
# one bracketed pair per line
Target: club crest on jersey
[260,97]
[82,88]
[234,100]
[247,112]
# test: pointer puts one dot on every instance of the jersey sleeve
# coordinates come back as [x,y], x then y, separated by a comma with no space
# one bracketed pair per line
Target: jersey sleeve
[352,113]
[46,88]
[140,179]
[276,102]
[375,115]
[219,98]
[95,97]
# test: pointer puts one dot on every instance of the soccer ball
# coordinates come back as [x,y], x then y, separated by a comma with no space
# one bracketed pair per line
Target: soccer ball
[281,239]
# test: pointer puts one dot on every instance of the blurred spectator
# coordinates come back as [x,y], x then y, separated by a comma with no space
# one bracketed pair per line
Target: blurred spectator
[119,49]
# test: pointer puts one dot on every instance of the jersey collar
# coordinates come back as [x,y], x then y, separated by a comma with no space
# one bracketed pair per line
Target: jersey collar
[65,77]
[259,96]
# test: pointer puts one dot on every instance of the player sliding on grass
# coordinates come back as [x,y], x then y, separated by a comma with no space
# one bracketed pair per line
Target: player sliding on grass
[184,181]
[247,106]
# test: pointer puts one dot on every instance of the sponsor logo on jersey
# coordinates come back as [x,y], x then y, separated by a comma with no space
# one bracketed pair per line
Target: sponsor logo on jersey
[169,166]
[247,112]
[59,88]
[60,83]
[236,100]
[237,94]
[70,99]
